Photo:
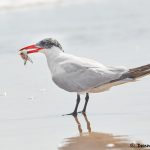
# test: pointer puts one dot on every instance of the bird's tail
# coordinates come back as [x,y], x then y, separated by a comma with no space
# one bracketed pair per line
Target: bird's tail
[139,72]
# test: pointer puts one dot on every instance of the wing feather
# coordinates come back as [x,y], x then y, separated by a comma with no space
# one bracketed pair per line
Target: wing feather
[81,74]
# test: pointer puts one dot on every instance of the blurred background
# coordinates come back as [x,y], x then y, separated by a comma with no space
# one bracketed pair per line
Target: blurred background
[114,33]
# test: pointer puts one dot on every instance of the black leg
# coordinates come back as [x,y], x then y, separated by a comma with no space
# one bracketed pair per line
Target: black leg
[77,104]
[76,107]
[86,102]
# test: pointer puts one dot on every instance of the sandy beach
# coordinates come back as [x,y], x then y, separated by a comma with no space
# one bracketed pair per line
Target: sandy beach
[96,141]
[31,106]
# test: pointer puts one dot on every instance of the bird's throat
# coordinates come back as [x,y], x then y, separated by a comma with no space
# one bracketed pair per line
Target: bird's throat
[52,57]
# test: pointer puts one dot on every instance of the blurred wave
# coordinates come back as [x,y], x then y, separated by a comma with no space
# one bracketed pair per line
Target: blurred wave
[12,4]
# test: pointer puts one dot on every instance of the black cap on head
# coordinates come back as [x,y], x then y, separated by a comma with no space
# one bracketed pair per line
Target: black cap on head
[48,43]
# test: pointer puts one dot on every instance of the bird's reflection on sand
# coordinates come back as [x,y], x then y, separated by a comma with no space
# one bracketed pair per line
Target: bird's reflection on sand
[79,125]
[96,140]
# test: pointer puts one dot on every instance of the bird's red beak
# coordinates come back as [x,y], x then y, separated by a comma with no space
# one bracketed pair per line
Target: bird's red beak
[28,50]
[31,49]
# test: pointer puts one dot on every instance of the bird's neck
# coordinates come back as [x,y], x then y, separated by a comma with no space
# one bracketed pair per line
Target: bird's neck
[52,58]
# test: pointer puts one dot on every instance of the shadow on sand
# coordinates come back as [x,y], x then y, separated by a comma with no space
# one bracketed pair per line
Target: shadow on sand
[97,141]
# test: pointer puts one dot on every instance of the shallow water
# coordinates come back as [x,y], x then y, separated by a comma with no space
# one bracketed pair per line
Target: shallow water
[114,33]
[97,140]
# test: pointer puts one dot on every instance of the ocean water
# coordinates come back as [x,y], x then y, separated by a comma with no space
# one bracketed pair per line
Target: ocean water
[13,4]
[111,32]
[17,3]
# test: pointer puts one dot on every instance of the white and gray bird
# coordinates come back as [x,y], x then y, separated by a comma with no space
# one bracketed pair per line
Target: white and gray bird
[81,75]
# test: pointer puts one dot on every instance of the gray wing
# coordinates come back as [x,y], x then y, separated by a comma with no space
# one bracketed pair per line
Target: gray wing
[81,74]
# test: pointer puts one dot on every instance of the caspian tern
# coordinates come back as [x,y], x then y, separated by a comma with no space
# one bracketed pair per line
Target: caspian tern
[81,75]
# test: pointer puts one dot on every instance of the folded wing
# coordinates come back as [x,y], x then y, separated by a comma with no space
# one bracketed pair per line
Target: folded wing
[81,74]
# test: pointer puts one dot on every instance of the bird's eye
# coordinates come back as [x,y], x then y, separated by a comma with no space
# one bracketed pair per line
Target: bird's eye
[41,44]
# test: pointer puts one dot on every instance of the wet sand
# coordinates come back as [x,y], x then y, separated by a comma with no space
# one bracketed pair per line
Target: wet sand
[98,141]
